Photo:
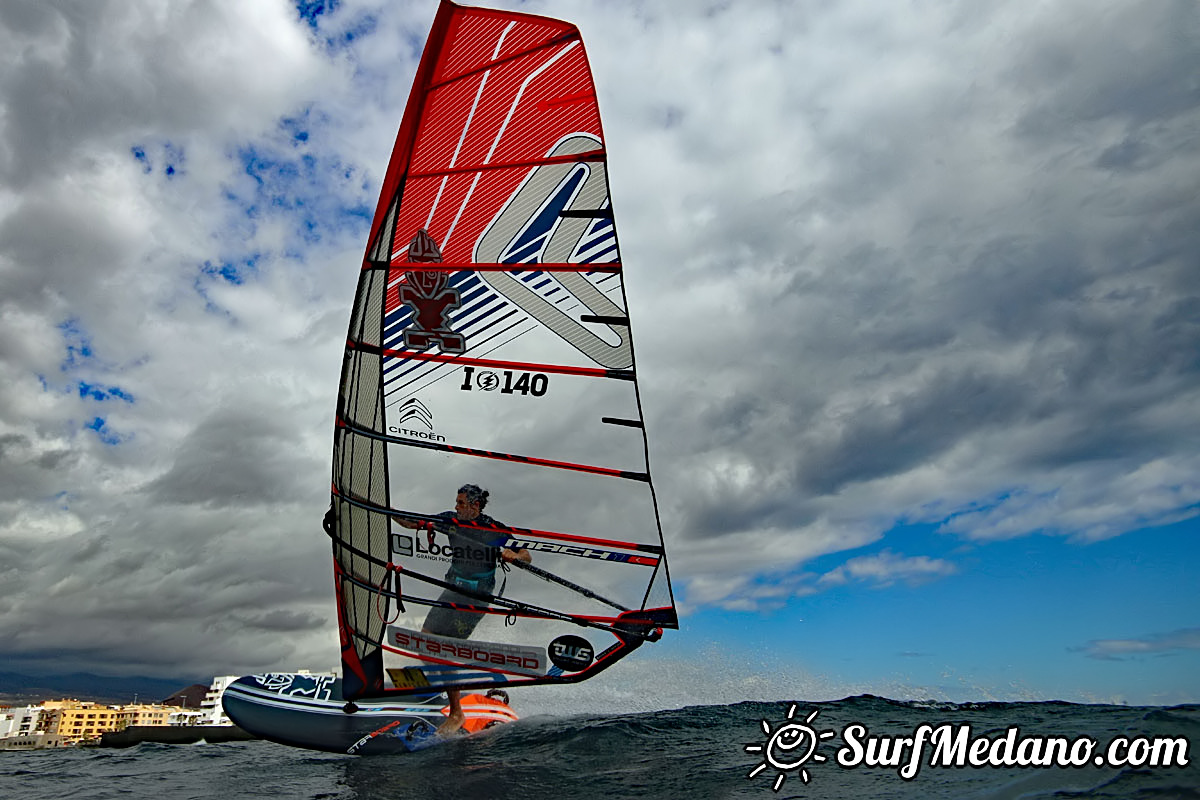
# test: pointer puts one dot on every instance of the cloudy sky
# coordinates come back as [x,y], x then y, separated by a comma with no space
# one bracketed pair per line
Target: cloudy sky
[915,289]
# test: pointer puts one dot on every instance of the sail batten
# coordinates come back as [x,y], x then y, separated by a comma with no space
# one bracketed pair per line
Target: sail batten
[514,457]
[583,268]
[490,346]
[501,61]
[595,155]
[562,369]
[524,534]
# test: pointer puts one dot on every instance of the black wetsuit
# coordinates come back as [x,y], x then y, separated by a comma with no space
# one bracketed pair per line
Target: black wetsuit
[473,568]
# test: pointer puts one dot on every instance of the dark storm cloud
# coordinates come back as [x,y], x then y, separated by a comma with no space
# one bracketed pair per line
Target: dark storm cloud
[148,470]
[1130,63]
[24,472]
[231,458]
[993,275]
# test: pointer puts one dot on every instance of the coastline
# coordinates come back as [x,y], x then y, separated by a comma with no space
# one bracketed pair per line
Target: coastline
[173,734]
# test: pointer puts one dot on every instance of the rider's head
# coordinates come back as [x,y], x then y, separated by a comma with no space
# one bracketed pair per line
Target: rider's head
[470,501]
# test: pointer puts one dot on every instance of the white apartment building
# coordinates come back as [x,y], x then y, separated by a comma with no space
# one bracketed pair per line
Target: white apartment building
[19,721]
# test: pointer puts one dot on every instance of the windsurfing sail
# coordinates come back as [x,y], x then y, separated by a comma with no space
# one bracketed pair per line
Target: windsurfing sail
[489,344]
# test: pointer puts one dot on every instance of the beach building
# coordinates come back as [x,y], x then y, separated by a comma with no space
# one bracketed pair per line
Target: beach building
[214,712]
[70,722]
[186,717]
[77,720]
[145,714]
[19,721]
[26,728]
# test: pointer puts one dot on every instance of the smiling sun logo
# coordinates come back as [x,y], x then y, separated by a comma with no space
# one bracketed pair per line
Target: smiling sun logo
[789,747]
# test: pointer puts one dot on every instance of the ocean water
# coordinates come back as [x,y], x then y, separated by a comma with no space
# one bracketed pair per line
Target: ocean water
[694,752]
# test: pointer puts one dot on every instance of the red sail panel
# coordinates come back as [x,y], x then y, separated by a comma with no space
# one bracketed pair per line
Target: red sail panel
[513,113]
[481,36]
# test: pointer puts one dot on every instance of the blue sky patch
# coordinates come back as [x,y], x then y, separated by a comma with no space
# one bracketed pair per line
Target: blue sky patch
[365,25]
[201,286]
[317,15]
[105,433]
[139,153]
[78,344]
[103,393]
[310,11]
[296,127]
[231,272]
[288,182]
[165,156]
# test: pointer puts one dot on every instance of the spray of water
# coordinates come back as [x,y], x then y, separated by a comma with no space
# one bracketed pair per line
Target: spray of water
[656,680]
[649,681]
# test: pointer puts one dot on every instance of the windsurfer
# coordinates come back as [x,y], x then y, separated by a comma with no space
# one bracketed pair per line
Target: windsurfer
[472,567]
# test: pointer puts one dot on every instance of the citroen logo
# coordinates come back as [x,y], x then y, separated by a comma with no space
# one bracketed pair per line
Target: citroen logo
[413,408]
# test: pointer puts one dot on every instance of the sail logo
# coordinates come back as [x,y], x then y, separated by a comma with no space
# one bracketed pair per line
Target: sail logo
[416,434]
[431,299]
[571,653]
[402,544]
[408,678]
[488,381]
[296,685]
[513,658]
[523,383]
[575,550]
[415,409]
[466,551]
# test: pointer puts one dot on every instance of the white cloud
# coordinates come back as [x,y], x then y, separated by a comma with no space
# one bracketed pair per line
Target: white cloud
[1158,644]
[887,568]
